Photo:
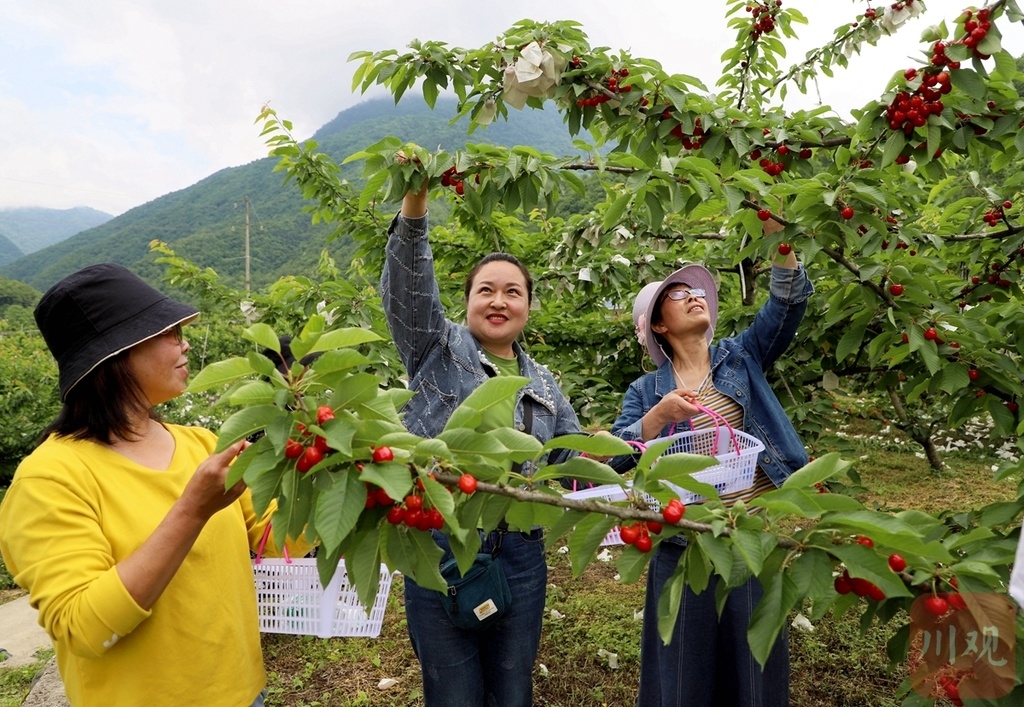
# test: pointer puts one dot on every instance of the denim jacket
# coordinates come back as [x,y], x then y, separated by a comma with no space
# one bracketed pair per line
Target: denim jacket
[444,361]
[738,366]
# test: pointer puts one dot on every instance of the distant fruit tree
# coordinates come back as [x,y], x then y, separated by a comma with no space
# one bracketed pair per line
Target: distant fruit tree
[907,220]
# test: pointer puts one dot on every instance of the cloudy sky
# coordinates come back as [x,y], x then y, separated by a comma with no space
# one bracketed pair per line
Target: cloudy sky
[113,104]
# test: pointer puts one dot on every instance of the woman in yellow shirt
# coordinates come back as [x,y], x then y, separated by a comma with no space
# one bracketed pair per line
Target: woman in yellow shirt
[119,525]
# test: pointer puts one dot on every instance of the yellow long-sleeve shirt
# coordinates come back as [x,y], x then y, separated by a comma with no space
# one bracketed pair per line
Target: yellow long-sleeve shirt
[73,511]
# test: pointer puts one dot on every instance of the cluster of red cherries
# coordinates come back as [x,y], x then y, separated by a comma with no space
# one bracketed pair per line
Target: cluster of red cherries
[976,27]
[639,534]
[910,109]
[775,164]
[307,456]
[993,216]
[764,17]
[690,142]
[610,84]
[452,177]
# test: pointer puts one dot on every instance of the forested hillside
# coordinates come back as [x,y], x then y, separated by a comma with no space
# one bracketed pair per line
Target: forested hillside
[206,221]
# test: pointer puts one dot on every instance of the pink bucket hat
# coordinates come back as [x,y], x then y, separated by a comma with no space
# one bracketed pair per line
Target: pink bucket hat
[696,276]
[640,305]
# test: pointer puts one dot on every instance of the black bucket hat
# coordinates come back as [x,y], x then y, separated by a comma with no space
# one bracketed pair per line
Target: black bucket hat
[98,312]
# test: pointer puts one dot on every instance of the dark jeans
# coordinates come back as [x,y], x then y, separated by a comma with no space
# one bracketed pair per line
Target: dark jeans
[493,667]
[708,663]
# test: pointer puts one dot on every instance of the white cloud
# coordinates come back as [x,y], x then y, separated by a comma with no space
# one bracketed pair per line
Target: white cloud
[111,105]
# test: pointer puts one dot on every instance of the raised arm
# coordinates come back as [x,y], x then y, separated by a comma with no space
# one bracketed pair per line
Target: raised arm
[408,286]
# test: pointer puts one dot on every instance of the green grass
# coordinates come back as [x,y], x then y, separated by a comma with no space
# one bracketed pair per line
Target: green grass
[15,683]
[836,665]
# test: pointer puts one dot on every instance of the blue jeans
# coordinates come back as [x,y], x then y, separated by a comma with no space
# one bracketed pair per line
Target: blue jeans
[259,699]
[493,667]
[708,662]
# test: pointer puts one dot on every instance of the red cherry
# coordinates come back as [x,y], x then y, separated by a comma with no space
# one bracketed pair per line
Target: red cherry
[643,543]
[764,214]
[974,374]
[414,502]
[467,484]
[1011,406]
[673,513]
[655,527]
[805,154]
[323,414]
[875,592]
[396,514]
[931,334]
[1007,205]
[785,249]
[783,150]
[382,497]
[321,444]
[861,587]
[865,541]
[383,454]
[897,563]
[956,601]
[629,534]
[842,584]
[847,212]
[936,605]
[896,290]
[293,449]
[311,456]
[413,517]
[435,518]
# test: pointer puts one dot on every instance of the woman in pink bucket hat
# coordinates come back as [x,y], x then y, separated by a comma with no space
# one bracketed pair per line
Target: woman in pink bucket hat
[708,661]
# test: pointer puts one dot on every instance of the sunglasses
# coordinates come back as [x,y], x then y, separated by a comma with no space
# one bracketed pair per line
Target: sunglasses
[678,295]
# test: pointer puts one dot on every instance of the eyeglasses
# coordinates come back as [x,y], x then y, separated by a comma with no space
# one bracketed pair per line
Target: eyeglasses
[677,295]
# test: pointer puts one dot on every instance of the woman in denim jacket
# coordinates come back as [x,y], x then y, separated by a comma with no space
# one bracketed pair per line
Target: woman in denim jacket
[708,661]
[446,362]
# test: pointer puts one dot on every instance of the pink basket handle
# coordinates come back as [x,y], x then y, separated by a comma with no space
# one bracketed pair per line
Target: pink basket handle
[718,419]
[263,544]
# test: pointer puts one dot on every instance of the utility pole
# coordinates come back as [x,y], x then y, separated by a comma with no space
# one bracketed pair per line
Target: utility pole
[247,282]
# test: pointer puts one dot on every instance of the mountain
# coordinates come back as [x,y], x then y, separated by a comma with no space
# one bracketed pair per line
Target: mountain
[26,230]
[206,221]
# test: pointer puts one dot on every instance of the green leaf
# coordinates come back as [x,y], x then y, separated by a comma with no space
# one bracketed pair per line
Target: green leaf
[719,551]
[770,615]
[597,445]
[748,543]
[868,564]
[220,373]
[586,539]
[492,392]
[669,601]
[245,422]
[821,469]
[614,213]
[415,555]
[252,393]
[362,564]
[338,505]
[886,530]
[263,335]
[582,469]
[344,338]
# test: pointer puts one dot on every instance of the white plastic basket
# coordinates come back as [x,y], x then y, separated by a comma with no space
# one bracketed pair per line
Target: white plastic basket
[610,493]
[735,451]
[290,599]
